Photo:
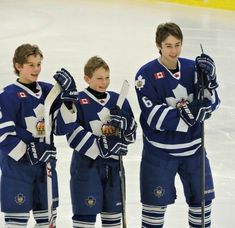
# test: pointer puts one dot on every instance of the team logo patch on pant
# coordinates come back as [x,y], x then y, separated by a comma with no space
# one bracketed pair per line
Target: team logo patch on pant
[20,199]
[90,201]
[159,192]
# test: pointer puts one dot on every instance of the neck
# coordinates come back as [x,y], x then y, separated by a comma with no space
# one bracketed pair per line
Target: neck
[97,94]
[171,65]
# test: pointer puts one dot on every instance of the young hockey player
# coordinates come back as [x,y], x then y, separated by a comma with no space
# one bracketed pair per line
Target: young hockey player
[102,134]
[172,112]
[23,150]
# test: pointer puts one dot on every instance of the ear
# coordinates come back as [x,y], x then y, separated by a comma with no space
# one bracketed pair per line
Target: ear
[87,79]
[158,47]
[18,66]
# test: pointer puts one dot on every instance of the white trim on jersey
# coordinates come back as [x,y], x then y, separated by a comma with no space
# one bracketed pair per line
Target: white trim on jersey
[18,152]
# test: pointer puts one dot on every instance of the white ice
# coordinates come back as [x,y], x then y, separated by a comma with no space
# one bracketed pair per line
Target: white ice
[122,32]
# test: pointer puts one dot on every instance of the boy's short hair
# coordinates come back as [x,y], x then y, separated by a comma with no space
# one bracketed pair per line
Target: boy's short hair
[166,29]
[23,52]
[93,64]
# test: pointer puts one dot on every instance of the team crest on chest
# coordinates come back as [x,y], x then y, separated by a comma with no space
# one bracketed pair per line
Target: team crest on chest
[20,199]
[40,126]
[90,201]
[159,191]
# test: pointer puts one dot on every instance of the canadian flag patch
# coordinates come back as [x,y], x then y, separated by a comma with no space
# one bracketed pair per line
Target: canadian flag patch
[159,75]
[84,101]
[21,94]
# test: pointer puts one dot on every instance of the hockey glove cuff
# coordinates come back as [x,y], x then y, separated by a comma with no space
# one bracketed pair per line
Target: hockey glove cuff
[122,120]
[111,145]
[196,111]
[40,152]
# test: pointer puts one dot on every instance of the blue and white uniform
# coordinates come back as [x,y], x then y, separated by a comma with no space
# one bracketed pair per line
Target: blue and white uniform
[23,186]
[95,181]
[170,145]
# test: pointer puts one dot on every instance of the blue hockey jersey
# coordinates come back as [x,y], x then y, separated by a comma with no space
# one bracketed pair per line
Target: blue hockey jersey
[92,114]
[22,117]
[158,90]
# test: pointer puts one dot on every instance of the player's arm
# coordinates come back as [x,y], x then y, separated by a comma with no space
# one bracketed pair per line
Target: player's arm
[64,110]
[64,119]
[86,143]
[12,137]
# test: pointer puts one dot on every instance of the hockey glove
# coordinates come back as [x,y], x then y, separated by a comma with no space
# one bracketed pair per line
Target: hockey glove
[121,119]
[40,152]
[196,111]
[68,85]
[205,65]
[111,145]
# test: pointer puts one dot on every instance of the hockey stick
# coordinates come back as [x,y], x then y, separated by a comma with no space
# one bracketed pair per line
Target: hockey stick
[52,95]
[203,154]
[120,101]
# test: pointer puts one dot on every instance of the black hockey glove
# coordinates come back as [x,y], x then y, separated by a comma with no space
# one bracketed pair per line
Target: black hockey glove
[40,152]
[196,111]
[68,85]
[205,65]
[122,120]
[111,145]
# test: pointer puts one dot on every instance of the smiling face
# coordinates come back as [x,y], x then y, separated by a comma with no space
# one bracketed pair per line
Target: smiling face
[169,39]
[99,81]
[170,51]
[29,71]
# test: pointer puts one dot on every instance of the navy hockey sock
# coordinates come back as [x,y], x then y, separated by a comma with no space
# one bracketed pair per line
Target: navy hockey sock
[153,216]
[194,215]
[84,221]
[111,219]
[17,220]
[41,218]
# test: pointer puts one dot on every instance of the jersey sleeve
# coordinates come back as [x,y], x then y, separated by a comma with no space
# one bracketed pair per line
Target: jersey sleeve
[82,140]
[64,119]
[12,137]
[155,112]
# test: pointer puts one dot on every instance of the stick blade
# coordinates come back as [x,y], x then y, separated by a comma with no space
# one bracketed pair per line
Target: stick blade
[123,93]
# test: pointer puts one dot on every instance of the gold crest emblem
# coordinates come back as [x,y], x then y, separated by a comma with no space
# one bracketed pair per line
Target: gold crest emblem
[159,192]
[20,199]
[90,201]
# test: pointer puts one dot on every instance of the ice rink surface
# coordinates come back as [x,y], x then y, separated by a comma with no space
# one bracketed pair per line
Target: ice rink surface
[122,32]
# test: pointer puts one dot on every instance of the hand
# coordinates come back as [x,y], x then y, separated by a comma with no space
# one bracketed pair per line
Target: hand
[68,85]
[205,65]
[40,152]
[121,119]
[111,145]
[196,111]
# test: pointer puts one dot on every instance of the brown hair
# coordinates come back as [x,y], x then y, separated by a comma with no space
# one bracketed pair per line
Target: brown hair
[166,29]
[93,64]
[23,52]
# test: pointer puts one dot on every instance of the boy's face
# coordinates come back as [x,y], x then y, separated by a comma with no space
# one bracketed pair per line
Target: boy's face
[99,81]
[171,49]
[29,72]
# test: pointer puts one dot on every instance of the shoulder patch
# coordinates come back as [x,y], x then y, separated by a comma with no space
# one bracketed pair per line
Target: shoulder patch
[140,82]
